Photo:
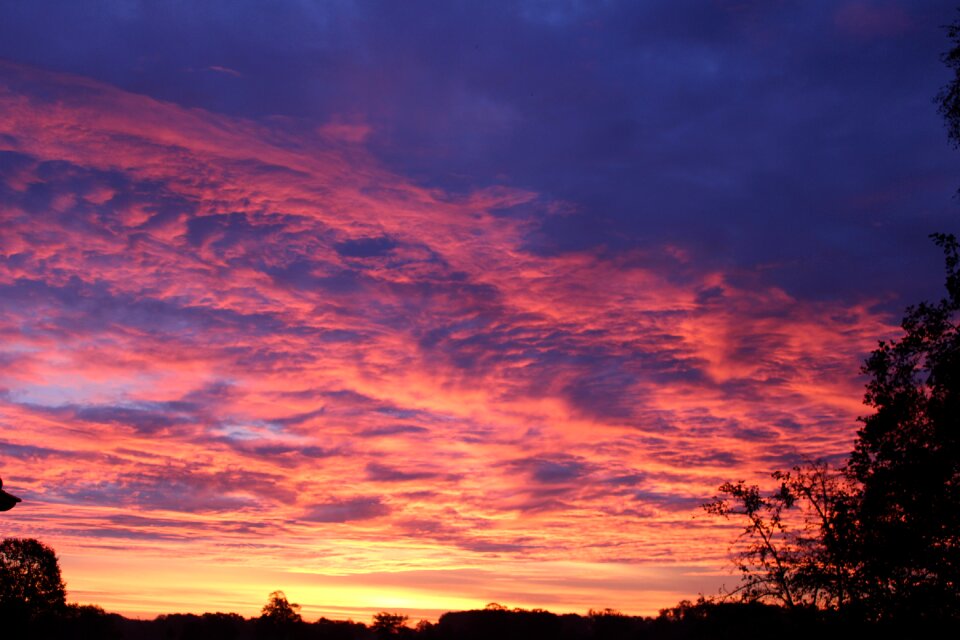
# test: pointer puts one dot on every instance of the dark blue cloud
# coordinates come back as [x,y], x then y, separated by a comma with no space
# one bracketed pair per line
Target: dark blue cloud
[143,417]
[49,180]
[197,408]
[384,473]
[37,452]
[358,508]
[552,471]
[365,247]
[668,501]
[300,418]
[391,430]
[276,450]
[89,307]
[625,480]
[774,136]
[182,488]
[143,420]
[147,527]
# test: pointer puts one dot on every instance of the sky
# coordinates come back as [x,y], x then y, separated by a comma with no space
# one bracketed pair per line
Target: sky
[420,306]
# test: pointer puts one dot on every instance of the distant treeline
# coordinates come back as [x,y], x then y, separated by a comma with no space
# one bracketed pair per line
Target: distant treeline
[742,621]
[33,606]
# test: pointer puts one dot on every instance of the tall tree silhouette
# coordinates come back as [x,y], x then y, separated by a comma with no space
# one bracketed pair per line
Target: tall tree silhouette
[948,99]
[907,459]
[883,536]
[890,542]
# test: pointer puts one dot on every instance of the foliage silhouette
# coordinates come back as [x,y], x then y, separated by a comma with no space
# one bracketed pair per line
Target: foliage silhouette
[502,624]
[948,98]
[907,460]
[280,619]
[279,610]
[187,626]
[882,536]
[30,582]
[389,624]
[796,544]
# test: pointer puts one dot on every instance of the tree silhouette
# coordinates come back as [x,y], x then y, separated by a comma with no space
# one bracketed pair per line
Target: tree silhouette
[889,541]
[30,582]
[279,619]
[883,535]
[280,611]
[795,545]
[907,459]
[388,624]
[948,99]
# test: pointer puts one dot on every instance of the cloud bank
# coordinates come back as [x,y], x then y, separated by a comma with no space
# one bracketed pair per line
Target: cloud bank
[230,342]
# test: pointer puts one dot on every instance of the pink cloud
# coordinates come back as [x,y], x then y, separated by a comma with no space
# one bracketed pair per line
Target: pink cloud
[236,342]
[345,131]
[226,70]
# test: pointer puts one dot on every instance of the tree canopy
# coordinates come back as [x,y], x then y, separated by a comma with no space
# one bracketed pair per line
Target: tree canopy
[882,534]
[948,99]
[30,581]
[907,457]
[388,624]
[795,550]
[280,611]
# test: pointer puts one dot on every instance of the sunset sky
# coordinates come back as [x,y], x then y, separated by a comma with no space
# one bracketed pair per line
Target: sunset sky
[417,306]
